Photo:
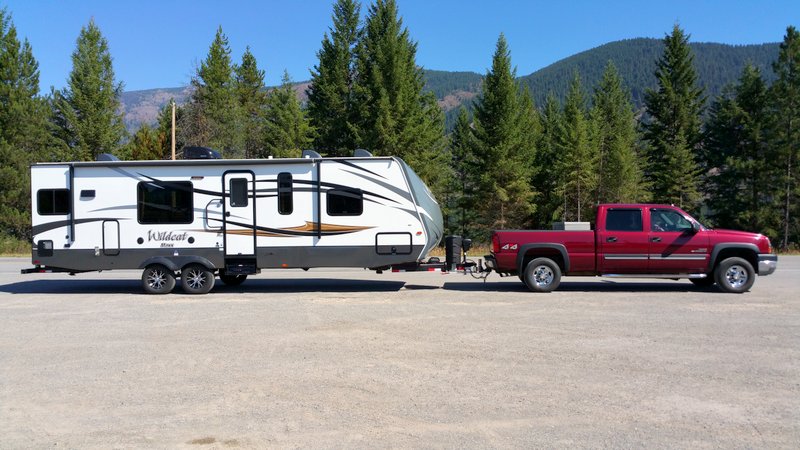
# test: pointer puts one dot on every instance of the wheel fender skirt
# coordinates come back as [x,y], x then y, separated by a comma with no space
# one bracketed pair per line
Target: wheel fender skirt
[177,262]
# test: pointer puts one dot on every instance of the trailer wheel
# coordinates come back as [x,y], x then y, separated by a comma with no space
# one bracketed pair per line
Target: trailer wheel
[735,275]
[197,279]
[542,275]
[232,280]
[157,279]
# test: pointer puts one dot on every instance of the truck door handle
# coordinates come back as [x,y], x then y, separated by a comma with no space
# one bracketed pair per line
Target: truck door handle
[655,239]
[611,239]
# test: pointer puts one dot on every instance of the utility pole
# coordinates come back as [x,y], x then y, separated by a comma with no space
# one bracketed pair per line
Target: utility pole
[173,129]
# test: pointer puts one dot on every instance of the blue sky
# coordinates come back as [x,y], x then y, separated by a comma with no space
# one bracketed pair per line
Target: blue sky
[160,43]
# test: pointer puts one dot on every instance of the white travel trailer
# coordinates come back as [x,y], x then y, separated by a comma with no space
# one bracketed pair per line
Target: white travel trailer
[196,218]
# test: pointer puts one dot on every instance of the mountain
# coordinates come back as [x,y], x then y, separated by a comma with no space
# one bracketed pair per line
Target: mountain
[717,65]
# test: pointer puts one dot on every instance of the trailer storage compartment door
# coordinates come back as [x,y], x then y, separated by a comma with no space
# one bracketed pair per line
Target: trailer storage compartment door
[110,238]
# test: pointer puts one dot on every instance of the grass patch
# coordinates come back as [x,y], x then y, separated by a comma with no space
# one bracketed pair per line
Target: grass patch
[11,246]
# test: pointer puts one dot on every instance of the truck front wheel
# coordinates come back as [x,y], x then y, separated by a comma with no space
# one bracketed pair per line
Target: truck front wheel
[542,275]
[735,275]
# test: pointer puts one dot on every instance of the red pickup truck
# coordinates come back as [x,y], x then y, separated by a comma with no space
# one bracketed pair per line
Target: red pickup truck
[635,240]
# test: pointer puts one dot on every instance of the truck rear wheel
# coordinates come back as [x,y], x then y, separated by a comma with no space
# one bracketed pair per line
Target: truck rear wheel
[197,279]
[157,279]
[735,275]
[542,275]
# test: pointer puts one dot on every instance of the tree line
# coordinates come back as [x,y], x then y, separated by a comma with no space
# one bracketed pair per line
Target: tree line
[508,163]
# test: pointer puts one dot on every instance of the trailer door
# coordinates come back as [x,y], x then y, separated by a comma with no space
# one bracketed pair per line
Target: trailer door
[239,211]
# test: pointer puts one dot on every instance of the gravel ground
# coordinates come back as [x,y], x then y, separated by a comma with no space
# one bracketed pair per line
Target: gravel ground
[349,358]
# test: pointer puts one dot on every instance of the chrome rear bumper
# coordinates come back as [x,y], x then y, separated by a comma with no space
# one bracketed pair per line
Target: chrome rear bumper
[767,264]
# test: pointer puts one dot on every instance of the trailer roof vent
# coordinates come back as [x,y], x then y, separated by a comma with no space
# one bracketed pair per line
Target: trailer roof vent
[311,154]
[106,157]
[361,153]
[200,153]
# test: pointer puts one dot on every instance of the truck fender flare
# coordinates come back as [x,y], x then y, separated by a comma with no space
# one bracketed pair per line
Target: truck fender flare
[712,261]
[525,248]
[175,263]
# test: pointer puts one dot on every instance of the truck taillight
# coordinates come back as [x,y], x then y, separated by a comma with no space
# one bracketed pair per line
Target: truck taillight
[495,243]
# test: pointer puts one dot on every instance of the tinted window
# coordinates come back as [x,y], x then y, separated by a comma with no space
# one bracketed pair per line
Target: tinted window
[624,220]
[238,192]
[668,220]
[285,202]
[52,202]
[345,202]
[164,202]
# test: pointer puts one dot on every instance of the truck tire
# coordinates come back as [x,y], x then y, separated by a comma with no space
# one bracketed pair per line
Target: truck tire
[197,279]
[734,275]
[157,279]
[232,280]
[542,275]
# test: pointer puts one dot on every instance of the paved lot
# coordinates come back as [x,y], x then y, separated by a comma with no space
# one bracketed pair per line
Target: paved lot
[348,358]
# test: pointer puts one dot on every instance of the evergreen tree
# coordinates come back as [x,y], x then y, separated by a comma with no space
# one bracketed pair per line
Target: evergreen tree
[740,160]
[578,158]
[504,147]
[287,131]
[252,97]
[620,178]
[672,130]
[462,208]
[547,178]
[786,100]
[212,115]
[395,117]
[24,134]
[88,109]
[145,145]
[330,95]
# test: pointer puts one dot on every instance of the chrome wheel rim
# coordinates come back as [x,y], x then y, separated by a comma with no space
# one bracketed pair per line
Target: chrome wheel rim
[196,279]
[157,279]
[542,276]
[736,276]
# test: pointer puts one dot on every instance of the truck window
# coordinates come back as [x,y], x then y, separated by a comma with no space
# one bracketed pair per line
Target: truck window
[285,201]
[52,202]
[668,220]
[624,220]
[345,202]
[163,203]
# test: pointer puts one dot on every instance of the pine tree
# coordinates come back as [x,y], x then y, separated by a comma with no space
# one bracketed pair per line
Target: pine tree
[252,98]
[547,179]
[672,130]
[504,147]
[287,130]
[212,117]
[145,145]
[24,130]
[395,117]
[330,95]
[786,99]
[462,207]
[620,178]
[577,168]
[740,159]
[88,109]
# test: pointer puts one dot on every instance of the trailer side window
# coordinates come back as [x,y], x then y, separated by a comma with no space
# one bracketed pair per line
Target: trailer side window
[238,192]
[52,202]
[624,220]
[285,201]
[345,202]
[160,203]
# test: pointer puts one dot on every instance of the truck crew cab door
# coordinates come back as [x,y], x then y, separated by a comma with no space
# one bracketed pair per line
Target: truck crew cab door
[674,246]
[239,214]
[622,242]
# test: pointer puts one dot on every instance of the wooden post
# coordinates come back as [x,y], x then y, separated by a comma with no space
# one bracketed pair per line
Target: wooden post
[173,130]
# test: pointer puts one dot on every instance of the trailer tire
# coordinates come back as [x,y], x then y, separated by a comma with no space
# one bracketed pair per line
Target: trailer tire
[232,280]
[735,275]
[542,275]
[158,279]
[197,279]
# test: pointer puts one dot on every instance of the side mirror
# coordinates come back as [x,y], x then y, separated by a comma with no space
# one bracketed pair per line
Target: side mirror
[695,227]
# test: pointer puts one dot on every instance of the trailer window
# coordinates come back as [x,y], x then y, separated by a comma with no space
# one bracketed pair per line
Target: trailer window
[52,202]
[238,192]
[345,202]
[624,220]
[285,201]
[159,203]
